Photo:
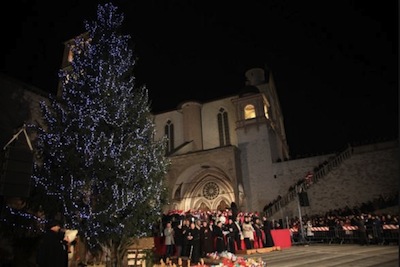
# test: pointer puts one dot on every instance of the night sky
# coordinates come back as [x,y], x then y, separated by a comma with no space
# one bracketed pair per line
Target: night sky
[335,63]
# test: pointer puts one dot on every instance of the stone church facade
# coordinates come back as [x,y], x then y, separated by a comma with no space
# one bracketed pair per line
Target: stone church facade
[234,149]
[223,151]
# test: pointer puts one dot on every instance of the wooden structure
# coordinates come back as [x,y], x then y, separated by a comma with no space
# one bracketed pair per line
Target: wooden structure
[136,255]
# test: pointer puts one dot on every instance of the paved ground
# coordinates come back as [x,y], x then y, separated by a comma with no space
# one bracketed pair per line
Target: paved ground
[324,255]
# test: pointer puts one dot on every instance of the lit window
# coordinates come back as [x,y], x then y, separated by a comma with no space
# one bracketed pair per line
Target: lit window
[249,112]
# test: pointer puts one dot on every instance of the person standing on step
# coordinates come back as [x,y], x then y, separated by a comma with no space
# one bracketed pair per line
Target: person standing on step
[219,237]
[193,243]
[267,227]
[207,239]
[169,240]
[178,238]
[361,229]
[248,233]
[230,237]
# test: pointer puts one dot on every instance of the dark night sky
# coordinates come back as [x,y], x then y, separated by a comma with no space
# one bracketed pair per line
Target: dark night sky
[335,63]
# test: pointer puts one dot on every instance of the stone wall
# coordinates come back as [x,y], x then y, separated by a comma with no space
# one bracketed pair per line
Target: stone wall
[372,171]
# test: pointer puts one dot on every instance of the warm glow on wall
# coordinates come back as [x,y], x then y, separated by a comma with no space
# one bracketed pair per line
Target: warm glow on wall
[266,111]
[249,112]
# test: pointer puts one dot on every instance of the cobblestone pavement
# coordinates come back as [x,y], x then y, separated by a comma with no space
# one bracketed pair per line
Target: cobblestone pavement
[324,255]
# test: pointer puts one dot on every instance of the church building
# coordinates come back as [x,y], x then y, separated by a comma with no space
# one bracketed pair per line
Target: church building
[222,151]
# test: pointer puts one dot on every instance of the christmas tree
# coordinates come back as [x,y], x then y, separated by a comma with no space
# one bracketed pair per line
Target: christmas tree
[99,159]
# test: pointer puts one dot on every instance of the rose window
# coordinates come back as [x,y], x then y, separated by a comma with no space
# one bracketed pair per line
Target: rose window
[210,190]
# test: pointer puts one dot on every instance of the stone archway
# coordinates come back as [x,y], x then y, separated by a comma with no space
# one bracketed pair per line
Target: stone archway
[204,207]
[207,193]
[210,191]
[223,205]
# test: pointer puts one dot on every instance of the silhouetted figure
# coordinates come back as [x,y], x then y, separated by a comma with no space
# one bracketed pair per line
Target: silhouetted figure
[53,249]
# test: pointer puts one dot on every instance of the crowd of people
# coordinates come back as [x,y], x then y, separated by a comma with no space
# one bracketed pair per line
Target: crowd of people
[196,234]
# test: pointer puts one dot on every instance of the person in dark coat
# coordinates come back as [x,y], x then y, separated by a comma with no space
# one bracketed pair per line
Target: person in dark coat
[219,238]
[235,211]
[179,237]
[258,232]
[362,230]
[53,247]
[185,228]
[267,225]
[377,229]
[230,237]
[193,243]
[237,233]
[207,239]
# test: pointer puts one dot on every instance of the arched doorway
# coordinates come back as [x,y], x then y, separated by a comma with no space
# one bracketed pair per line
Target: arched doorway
[202,189]
[203,206]
[209,193]
[223,205]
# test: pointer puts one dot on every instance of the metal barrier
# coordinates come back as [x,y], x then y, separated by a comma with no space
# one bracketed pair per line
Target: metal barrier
[388,234]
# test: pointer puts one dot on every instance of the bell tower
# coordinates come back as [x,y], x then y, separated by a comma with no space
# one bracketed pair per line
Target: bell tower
[261,135]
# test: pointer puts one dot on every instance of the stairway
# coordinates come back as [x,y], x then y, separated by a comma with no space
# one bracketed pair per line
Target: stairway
[319,173]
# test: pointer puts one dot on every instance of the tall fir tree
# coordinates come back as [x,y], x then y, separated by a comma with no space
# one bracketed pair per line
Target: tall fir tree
[99,157]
